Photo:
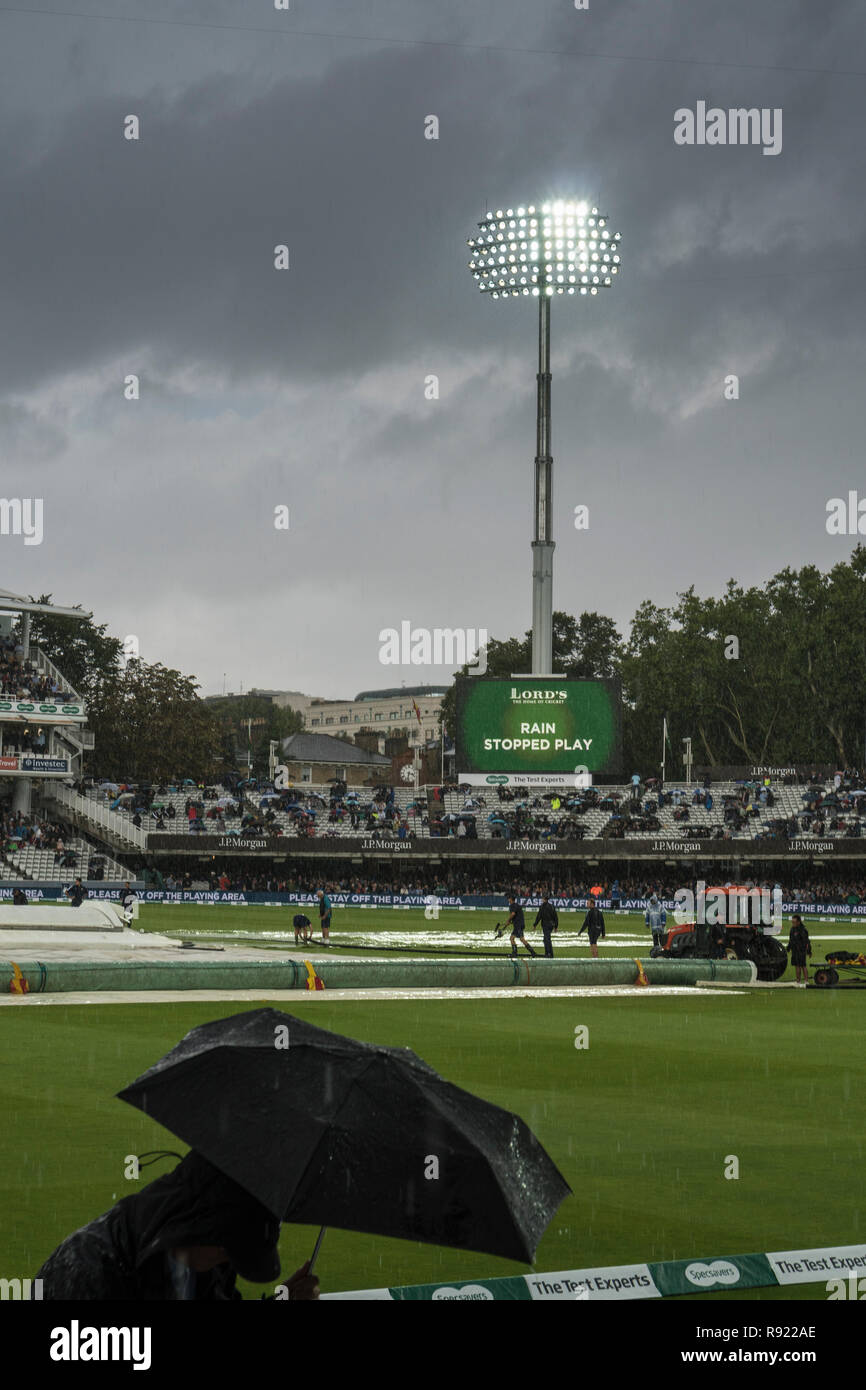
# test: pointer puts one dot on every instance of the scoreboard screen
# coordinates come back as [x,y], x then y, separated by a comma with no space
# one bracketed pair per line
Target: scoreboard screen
[536,728]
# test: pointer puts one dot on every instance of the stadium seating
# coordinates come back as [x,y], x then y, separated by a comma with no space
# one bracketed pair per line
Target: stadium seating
[594,822]
[33,863]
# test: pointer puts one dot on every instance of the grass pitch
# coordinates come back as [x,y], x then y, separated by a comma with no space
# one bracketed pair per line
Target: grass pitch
[641,1122]
[385,931]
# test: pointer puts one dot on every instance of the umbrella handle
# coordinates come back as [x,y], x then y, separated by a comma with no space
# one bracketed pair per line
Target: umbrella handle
[315,1253]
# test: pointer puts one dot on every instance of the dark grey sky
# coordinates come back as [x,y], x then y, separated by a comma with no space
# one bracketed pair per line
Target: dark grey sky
[306,387]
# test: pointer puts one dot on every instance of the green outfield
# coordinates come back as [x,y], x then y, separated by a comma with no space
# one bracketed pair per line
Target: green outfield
[642,1122]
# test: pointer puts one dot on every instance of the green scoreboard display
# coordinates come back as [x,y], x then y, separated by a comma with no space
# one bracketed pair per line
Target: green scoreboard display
[536,729]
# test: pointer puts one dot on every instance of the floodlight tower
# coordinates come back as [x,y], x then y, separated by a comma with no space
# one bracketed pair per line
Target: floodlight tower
[557,248]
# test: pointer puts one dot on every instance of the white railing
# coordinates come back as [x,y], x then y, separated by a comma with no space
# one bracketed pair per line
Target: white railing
[100,815]
[49,669]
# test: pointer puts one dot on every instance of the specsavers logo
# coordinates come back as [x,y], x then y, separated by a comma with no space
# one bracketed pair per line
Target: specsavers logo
[467,1293]
[708,1276]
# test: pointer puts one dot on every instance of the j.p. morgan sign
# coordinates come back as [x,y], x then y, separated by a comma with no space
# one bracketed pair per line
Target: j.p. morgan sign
[530,847]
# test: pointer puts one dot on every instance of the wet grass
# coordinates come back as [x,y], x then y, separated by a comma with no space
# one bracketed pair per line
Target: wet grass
[642,1123]
[384,932]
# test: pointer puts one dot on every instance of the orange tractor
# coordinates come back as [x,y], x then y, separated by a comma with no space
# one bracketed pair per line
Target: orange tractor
[731,939]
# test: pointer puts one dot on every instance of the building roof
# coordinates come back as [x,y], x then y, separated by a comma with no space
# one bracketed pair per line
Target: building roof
[426,691]
[17,603]
[322,748]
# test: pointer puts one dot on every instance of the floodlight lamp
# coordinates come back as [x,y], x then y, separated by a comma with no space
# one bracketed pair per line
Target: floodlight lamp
[545,249]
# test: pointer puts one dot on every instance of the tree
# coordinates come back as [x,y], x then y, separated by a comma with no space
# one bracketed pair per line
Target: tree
[239,738]
[151,726]
[771,675]
[82,651]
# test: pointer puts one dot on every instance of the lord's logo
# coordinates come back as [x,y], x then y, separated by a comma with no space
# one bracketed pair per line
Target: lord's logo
[542,697]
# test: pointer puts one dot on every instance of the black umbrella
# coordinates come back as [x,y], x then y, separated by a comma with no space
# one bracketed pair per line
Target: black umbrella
[324,1130]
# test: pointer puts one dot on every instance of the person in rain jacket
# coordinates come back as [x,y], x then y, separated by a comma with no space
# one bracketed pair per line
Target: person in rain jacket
[655,918]
[549,919]
[800,948]
[186,1236]
[593,925]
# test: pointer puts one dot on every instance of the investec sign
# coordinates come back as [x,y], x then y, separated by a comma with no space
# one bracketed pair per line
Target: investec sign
[26,765]
[43,711]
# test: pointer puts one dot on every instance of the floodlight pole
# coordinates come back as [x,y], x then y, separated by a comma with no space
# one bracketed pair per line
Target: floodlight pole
[543,544]
[576,245]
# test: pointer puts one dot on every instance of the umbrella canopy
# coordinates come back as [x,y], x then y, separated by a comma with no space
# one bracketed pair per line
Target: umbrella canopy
[109,786]
[328,1131]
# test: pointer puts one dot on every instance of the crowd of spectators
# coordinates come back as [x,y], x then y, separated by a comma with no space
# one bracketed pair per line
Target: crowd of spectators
[559,815]
[24,738]
[514,815]
[240,876]
[33,831]
[840,811]
[250,807]
[21,680]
